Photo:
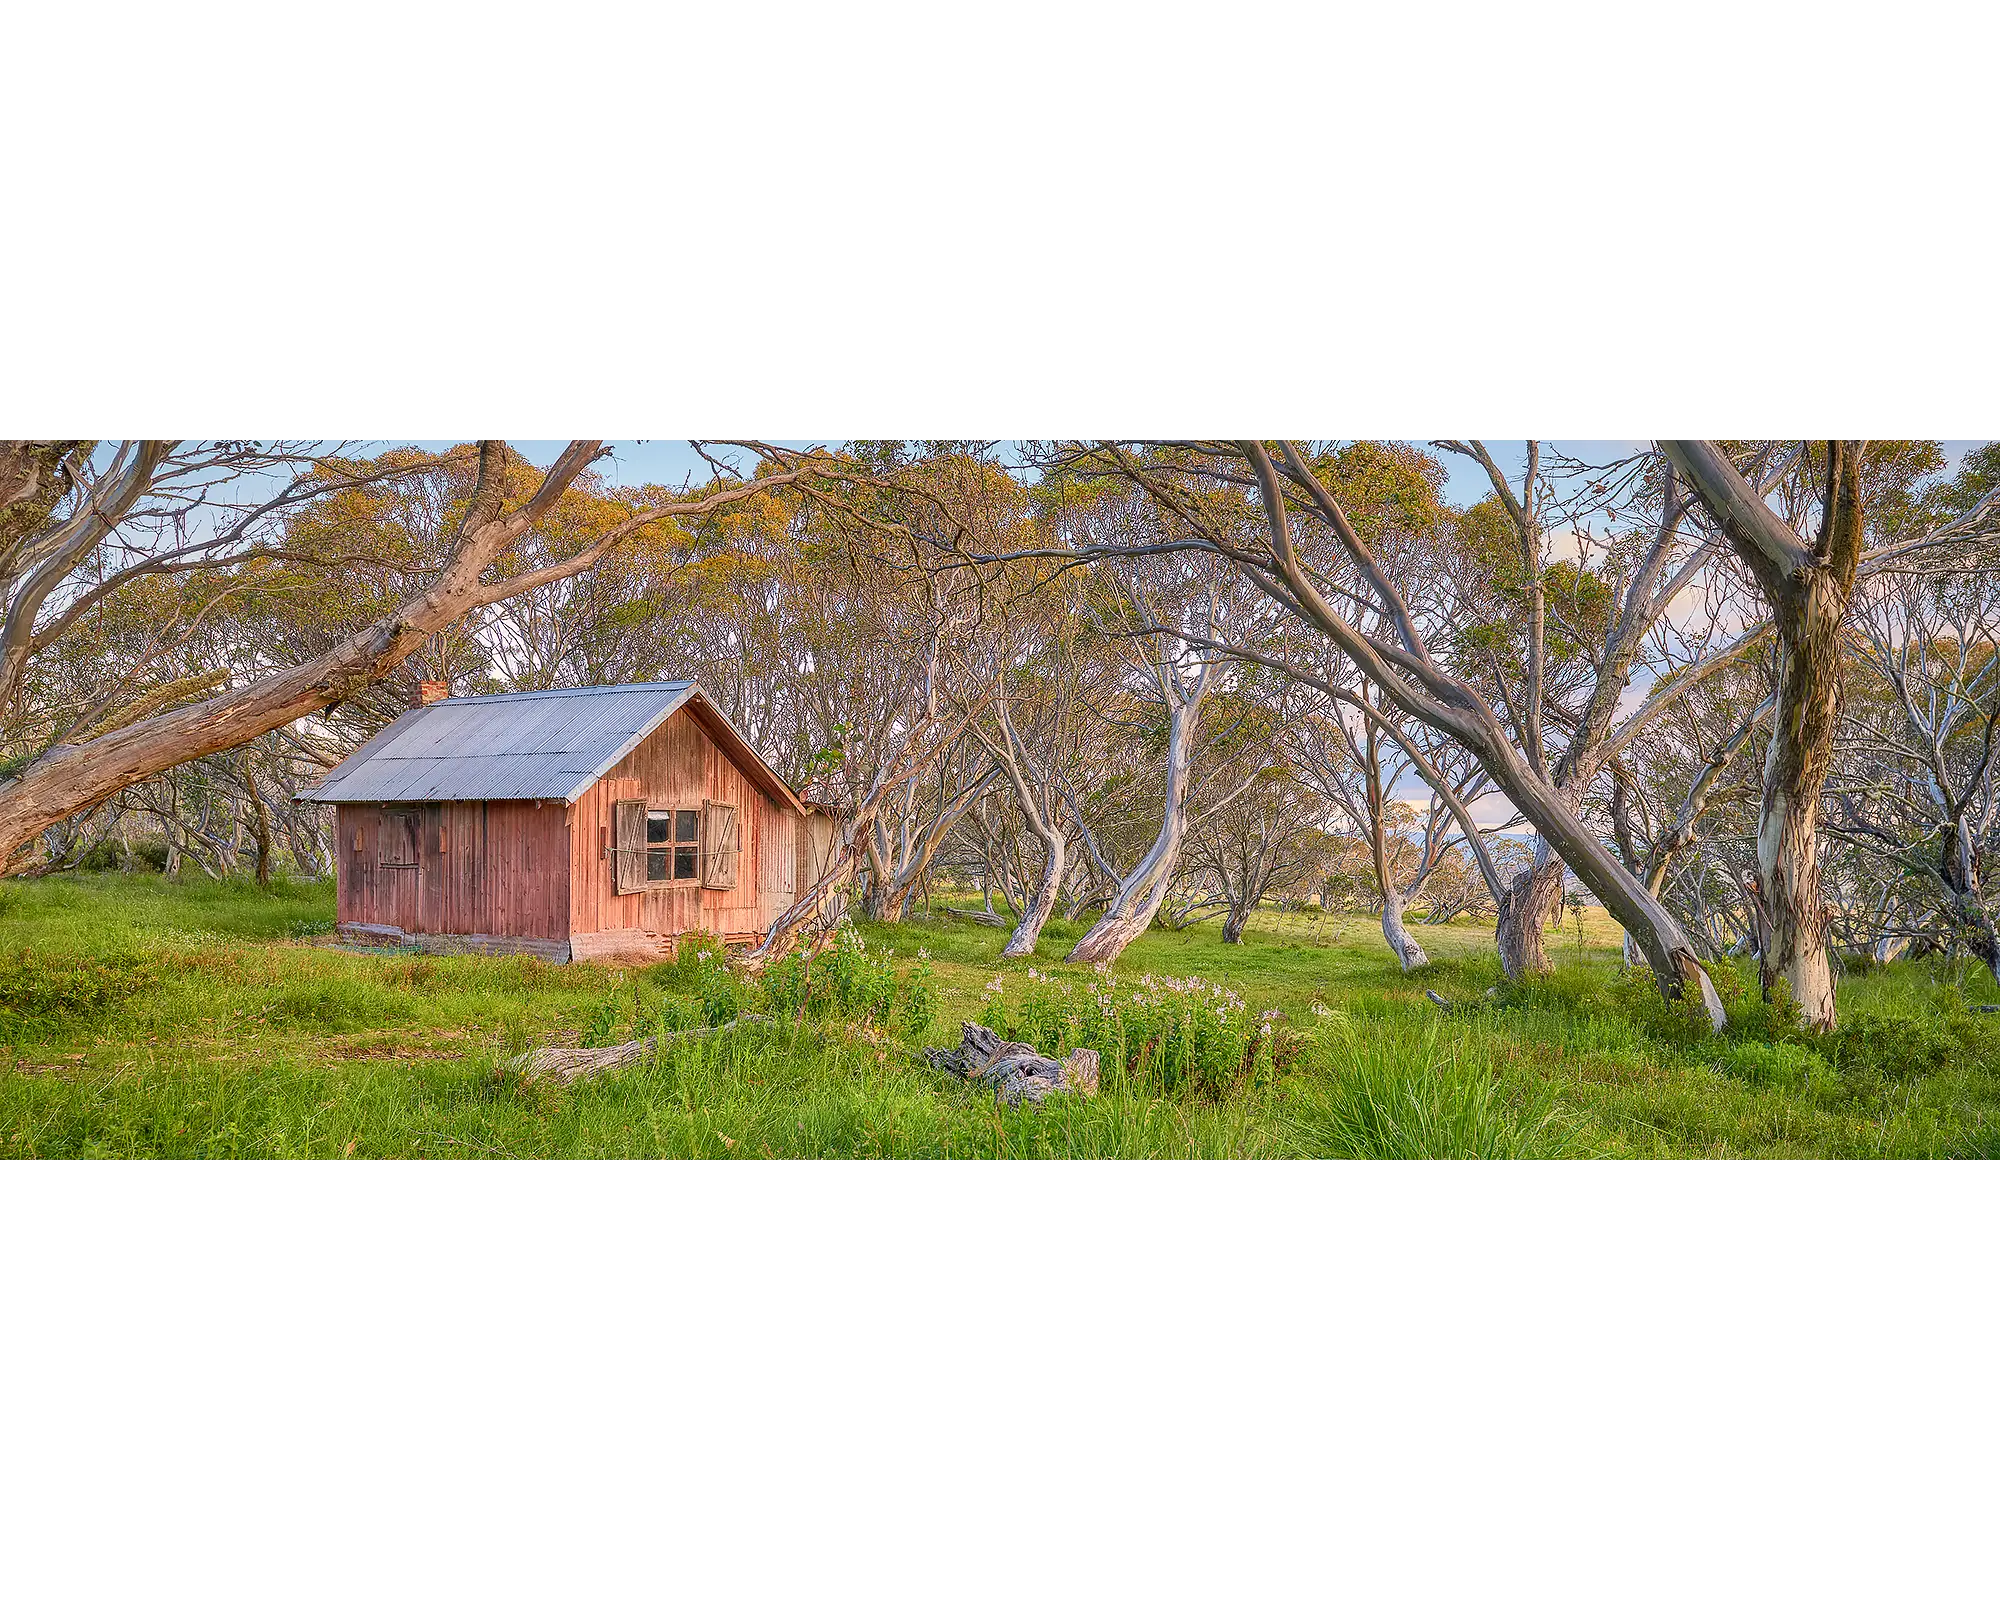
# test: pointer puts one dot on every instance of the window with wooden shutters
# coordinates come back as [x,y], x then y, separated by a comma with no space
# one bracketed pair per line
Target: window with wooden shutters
[628,846]
[721,844]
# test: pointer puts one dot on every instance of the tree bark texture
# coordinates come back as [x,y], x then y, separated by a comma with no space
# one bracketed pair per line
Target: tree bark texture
[1809,588]
[1055,861]
[1017,1073]
[1144,889]
[1524,912]
[1402,943]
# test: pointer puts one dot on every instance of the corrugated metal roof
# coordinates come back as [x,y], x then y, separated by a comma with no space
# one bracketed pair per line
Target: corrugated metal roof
[549,744]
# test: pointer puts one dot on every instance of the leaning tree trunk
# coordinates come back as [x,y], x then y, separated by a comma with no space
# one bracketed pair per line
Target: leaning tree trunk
[1809,587]
[1524,912]
[1137,901]
[874,906]
[1402,943]
[260,829]
[1959,873]
[810,920]
[1238,919]
[70,778]
[1144,890]
[1470,721]
[1055,859]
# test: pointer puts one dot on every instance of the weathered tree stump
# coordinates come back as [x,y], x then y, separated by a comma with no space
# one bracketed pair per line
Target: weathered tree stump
[1016,1072]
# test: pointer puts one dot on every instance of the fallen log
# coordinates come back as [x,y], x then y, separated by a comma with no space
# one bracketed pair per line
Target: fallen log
[1016,1072]
[1450,1006]
[986,919]
[566,1066]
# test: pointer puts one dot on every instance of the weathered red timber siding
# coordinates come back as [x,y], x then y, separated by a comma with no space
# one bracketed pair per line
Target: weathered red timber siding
[679,766]
[484,867]
[815,845]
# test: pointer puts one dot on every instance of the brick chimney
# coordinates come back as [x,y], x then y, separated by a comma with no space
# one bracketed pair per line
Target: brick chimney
[429,693]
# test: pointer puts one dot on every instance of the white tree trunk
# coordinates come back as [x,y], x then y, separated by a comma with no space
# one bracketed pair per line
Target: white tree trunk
[1788,862]
[1402,943]
[1809,587]
[1143,891]
[1028,932]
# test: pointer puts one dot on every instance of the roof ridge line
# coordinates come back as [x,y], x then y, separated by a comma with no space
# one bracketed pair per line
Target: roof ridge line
[545,694]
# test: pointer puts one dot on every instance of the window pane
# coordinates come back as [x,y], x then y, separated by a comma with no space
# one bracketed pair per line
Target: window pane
[656,866]
[687,826]
[684,866]
[656,826]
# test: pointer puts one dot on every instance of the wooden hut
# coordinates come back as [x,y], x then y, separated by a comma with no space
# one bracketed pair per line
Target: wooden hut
[569,823]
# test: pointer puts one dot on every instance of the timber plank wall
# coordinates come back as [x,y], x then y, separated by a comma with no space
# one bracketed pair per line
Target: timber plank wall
[678,766]
[495,867]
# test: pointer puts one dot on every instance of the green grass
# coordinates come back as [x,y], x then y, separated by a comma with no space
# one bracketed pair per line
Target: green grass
[141,1018]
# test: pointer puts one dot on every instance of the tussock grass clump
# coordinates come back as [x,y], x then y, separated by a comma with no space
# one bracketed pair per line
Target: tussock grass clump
[1903,1044]
[47,994]
[335,1005]
[1386,1095]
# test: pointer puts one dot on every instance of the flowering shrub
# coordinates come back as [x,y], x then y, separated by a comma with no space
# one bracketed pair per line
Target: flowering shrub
[723,996]
[1164,1035]
[849,980]
[787,984]
[916,1000]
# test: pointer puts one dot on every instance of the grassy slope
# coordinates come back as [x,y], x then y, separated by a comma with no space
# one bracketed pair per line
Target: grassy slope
[142,1018]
